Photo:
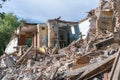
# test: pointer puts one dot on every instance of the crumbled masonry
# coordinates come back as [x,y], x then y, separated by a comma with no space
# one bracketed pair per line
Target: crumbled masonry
[58,50]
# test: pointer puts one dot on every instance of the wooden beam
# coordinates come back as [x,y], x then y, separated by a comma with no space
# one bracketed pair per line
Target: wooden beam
[97,68]
[24,55]
[114,74]
[105,42]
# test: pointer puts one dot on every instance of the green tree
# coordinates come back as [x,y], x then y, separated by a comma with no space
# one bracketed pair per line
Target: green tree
[8,23]
[1,2]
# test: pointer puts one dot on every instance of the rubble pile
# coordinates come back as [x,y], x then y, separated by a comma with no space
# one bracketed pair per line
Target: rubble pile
[68,63]
[94,58]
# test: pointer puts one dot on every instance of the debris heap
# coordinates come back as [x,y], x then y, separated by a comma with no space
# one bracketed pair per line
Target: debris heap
[94,58]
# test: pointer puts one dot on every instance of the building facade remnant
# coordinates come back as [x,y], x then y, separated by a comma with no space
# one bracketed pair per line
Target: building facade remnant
[62,50]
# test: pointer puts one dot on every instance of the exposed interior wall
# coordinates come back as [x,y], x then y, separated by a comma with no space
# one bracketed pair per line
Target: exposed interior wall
[74,32]
[43,34]
[11,46]
[61,33]
[51,34]
[84,27]
[21,39]
[106,21]
[67,34]
[63,37]
[105,17]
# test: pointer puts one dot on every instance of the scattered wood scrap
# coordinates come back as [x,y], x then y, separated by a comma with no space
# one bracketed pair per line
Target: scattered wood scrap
[97,57]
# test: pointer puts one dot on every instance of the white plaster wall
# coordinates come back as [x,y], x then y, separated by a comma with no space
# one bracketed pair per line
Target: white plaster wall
[84,27]
[10,47]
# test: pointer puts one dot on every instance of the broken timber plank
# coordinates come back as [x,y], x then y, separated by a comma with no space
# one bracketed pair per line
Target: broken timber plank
[116,75]
[24,55]
[97,68]
[115,72]
[104,42]
[53,73]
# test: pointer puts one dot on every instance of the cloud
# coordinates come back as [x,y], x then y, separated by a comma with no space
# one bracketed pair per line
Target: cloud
[42,10]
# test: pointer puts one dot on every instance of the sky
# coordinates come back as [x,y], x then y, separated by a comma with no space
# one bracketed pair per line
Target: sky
[42,10]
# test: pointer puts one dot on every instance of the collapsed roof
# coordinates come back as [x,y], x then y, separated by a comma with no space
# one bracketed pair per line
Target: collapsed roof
[58,50]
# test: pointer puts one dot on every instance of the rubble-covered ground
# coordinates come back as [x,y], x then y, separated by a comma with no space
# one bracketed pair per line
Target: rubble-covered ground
[93,58]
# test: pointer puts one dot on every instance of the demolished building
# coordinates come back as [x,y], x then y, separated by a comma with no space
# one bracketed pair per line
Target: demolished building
[61,50]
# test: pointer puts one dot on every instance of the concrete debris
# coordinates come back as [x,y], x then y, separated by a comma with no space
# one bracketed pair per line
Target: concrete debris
[60,50]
